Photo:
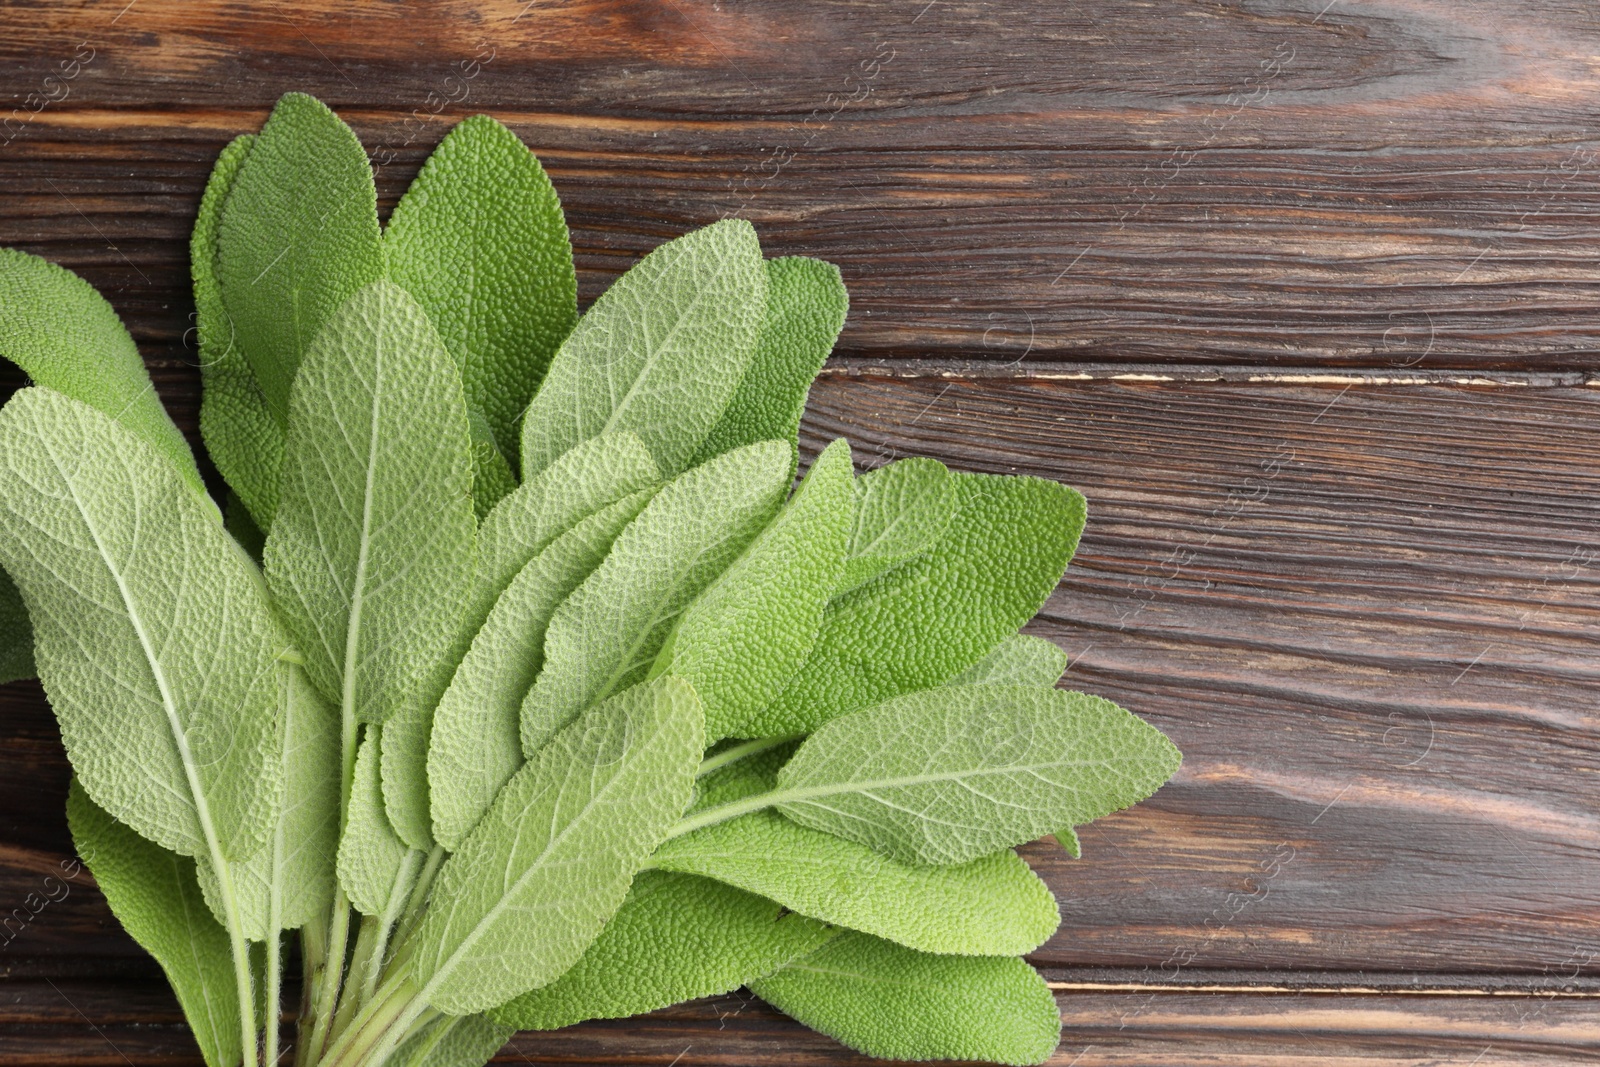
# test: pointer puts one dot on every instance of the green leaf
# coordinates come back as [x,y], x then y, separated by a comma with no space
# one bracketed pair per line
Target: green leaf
[660,353]
[476,742]
[289,882]
[1019,660]
[153,638]
[16,633]
[993,906]
[371,552]
[606,635]
[902,510]
[893,1003]
[491,473]
[931,618]
[676,937]
[242,437]
[153,894]
[453,1041]
[372,863]
[592,476]
[806,306]
[551,861]
[747,634]
[297,237]
[67,338]
[480,241]
[1068,840]
[948,775]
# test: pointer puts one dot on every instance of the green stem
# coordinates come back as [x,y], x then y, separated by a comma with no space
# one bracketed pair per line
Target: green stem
[274,995]
[392,1000]
[399,896]
[735,753]
[722,813]
[332,975]
[313,964]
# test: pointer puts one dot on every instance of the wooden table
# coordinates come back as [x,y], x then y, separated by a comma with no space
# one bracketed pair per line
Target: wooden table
[1301,294]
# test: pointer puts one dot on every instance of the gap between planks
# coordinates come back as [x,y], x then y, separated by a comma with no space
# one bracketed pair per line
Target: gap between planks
[865,367]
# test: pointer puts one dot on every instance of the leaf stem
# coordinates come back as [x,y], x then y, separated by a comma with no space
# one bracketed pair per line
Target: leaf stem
[735,753]
[724,812]
[274,994]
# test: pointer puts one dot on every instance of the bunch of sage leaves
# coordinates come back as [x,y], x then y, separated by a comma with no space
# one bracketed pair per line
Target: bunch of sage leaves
[512,674]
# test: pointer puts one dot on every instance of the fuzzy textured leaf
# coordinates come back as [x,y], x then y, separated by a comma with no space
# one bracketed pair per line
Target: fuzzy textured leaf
[676,937]
[806,307]
[948,775]
[480,241]
[153,638]
[242,437]
[1021,659]
[453,1041]
[922,623]
[659,354]
[371,552]
[894,1003]
[153,894]
[372,858]
[476,743]
[552,859]
[298,236]
[606,635]
[747,634]
[902,510]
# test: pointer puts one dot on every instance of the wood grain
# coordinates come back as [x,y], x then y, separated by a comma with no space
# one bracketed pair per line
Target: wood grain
[1382,183]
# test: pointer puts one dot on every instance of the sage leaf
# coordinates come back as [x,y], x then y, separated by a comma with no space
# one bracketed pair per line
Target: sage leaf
[153,637]
[289,882]
[242,437]
[298,236]
[806,307]
[991,906]
[480,241]
[948,775]
[902,510]
[477,728]
[1068,840]
[1020,659]
[605,636]
[153,894]
[16,633]
[747,634]
[893,1003]
[550,863]
[372,863]
[922,623]
[491,472]
[592,476]
[676,937]
[371,552]
[660,353]
[453,1041]
[58,329]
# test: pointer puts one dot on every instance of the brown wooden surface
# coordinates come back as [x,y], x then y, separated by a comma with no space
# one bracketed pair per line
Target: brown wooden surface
[1301,295]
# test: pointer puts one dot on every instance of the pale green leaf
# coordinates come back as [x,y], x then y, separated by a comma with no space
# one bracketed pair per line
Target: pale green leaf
[298,236]
[453,1041]
[606,635]
[476,742]
[491,473]
[1019,660]
[16,633]
[992,906]
[747,634]
[592,476]
[948,775]
[806,306]
[67,338]
[927,620]
[371,552]
[289,882]
[153,894]
[893,1003]
[372,863]
[552,859]
[660,353]
[153,637]
[480,241]
[902,510]
[242,437]
[676,937]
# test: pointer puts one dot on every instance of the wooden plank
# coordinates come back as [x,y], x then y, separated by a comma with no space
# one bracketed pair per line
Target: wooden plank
[89,1024]
[1384,183]
[1363,612]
